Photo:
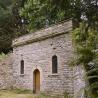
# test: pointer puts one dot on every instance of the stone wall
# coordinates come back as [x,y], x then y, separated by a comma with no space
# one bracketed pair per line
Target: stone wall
[39,55]
[6,72]
[79,81]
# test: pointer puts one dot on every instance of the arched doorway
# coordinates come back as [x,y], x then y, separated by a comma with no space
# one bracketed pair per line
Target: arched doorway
[36,81]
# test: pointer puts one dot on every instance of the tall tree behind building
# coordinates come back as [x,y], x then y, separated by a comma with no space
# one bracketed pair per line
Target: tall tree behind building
[10,23]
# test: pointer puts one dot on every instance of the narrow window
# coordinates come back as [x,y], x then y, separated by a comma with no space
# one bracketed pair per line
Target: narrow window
[54,64]
[22,67]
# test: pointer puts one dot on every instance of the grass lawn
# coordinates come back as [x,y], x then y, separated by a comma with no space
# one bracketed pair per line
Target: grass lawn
[19,94]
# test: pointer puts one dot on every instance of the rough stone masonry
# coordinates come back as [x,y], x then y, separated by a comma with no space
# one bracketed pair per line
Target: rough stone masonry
[36,51]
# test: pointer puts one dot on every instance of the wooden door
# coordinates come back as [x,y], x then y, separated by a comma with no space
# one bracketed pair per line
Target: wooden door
[36,81]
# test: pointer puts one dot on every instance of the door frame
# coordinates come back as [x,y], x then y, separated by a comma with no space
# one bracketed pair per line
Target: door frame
[36,71]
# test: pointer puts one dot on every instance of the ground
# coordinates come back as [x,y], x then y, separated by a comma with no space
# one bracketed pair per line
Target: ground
[20,94]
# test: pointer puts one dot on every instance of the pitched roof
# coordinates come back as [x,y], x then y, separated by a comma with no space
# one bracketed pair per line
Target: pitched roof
[54,30]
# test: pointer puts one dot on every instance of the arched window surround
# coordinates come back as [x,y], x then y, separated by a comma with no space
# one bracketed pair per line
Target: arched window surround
[22,67]
[54,64]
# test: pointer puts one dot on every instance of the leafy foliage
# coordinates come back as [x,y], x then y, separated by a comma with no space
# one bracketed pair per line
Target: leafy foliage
[85,43]
[10,23]
[84,39]
[43,13]
[5,24]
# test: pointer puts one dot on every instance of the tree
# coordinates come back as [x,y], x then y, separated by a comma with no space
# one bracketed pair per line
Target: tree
[10,23]
[42,13]
[5,25]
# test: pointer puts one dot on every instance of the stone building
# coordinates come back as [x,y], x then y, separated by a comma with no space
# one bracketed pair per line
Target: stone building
[41,61]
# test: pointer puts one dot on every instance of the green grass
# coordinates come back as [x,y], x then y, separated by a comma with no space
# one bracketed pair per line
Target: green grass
[22,91]
[17,93]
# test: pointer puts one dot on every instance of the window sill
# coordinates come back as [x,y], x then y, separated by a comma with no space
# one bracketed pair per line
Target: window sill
[21,75]
[55,74]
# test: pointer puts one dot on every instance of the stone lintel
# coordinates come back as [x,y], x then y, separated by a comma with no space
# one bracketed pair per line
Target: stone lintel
[43,34]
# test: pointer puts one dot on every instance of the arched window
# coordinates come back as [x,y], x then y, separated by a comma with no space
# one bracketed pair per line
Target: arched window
[54,64]
[22,67]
